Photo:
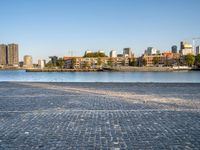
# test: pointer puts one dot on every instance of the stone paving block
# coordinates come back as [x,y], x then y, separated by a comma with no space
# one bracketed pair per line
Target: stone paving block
[77,116]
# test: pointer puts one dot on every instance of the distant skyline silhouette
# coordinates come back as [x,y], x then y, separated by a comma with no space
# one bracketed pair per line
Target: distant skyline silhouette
[44,28]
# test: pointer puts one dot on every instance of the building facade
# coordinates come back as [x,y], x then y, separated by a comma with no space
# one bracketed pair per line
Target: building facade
[174,49]
[54,60]
[127,52]
[85,62]
[3,54]
[152,51]
[41,64]
[113,54]
[28,62]
[186,48]
[197,50]
[165,59]
[12,55]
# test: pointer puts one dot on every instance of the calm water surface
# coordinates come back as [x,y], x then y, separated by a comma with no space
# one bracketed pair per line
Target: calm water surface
[186,77]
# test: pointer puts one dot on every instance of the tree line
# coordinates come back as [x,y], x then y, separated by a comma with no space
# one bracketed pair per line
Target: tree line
[188,60]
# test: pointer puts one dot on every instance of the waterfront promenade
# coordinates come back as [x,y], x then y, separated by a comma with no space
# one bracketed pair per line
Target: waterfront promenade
[49,116]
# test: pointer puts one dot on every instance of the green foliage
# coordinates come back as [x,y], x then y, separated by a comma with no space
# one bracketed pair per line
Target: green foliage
[132,62]
[86,65]
[197,60]
[73,63]
[99,62]
[178,61]
[96,54]
[168,62]
[124,62]
[190,59]
[144,62]
[49,64]
[156,60]
[60,63]
[111,62]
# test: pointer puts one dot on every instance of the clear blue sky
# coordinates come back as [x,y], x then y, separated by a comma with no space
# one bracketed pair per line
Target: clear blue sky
[54,27]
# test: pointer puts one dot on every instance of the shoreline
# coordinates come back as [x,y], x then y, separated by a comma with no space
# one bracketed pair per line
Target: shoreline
[118,69]
[114,69]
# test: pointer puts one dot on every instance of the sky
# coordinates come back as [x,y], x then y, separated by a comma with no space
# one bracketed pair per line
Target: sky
[45,28]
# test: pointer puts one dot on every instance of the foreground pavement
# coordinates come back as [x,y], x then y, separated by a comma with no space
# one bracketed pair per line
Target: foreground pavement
[49,116]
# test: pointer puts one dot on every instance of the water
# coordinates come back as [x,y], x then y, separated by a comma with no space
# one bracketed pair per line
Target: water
[179,77]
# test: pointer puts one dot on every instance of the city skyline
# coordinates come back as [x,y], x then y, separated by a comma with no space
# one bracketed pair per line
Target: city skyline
[47,28]
[193,50]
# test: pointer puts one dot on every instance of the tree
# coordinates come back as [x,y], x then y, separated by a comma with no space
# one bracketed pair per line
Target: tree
[132,62]
[144,62]
[73,63]
[197,60]
[49,64]
[99,61]
[111,62]
[96,54]
[168,62]
[190,59]
[124,62]
[156,60]
[60,63]
[178,61]
[86,65]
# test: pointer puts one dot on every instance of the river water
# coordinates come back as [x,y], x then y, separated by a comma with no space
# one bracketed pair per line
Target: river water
[163,77]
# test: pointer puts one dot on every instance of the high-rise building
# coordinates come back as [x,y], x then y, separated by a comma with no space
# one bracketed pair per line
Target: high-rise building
[41,64]
[186,48]
[3,51]
[197,50]
[152,51]
[182,45]
[127,52]
[54,60]
[113,54]
[174,49]
[28,62]
[12,55]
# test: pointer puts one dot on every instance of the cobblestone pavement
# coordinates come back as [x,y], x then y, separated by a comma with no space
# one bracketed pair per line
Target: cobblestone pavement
[116,116]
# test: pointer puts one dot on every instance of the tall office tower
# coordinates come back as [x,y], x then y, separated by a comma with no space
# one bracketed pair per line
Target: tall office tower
[182,45]
[113,54]
[3,49]
[12,55]
[174,49]
[127,52]
[54,60]
[152,51]
[197,50]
